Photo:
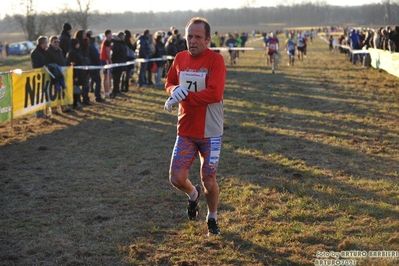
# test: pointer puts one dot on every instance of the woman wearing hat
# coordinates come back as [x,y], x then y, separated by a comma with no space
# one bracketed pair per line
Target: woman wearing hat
[65,37]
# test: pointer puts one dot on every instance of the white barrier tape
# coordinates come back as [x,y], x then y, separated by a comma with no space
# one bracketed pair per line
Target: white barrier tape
[256,39]
[354,51]
[236,48]
[222,48]
[164,58]
[365,51]
[324,39]
[49,72]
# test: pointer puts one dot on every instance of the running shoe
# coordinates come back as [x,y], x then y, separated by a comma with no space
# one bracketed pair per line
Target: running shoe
[213,228]
[192,208]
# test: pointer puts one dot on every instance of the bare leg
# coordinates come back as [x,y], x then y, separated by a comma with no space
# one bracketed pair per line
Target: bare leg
[211,188]
[272,60]
[179,179]
[211,191]
[106,82]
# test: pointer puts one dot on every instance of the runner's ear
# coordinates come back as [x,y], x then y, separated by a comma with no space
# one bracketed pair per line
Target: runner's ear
[208,40]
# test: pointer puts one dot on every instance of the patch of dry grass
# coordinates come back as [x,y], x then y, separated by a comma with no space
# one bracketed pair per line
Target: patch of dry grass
[309,163]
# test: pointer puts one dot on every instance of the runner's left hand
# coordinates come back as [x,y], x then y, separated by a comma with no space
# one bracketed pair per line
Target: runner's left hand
[170,104]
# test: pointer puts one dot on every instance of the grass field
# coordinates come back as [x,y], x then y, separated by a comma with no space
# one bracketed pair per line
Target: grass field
[309,165]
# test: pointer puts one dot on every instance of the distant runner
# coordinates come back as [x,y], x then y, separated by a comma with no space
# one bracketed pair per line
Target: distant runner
[301,46]
[290,46]
[271,45]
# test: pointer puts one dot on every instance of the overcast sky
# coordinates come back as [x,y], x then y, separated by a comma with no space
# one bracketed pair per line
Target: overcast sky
[17,6]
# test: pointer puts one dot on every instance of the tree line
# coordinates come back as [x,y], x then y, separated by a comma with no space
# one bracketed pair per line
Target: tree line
[34,24]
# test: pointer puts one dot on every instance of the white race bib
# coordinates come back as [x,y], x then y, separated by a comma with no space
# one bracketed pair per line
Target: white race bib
[193,81]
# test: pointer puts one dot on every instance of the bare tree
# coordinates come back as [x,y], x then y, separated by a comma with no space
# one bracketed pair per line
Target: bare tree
[31,23]
[83,17]
[387,9]
[249,3]
[27,21]
[316,13]
[391,9]
[57,20]
[42,24]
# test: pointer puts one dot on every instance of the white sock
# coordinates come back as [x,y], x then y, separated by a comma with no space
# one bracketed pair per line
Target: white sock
[193,195]
[213,215]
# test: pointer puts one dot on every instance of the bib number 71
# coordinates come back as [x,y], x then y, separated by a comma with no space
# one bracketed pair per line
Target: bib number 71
[193,81]
[192,86]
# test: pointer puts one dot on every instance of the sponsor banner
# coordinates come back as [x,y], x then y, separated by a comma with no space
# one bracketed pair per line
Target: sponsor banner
[35,90]
[385,60]
[5,97]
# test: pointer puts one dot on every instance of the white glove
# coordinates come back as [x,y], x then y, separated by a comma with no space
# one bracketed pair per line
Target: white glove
[179,93]
[170,104]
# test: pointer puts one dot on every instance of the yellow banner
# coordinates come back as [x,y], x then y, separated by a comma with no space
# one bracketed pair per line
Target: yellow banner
[35,90]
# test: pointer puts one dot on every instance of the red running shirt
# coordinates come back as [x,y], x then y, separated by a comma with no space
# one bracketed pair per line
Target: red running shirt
[201,113]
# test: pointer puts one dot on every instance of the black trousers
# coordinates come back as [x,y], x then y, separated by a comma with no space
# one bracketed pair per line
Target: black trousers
[86,87]
[96,79]
[116,75]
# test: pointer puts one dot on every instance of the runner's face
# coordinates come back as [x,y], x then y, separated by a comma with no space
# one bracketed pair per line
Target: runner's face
[196,40]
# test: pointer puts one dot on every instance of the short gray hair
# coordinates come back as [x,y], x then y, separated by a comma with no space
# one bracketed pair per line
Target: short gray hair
[41,40]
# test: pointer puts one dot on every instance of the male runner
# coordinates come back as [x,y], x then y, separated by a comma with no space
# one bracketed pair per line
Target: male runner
[271,45]
[196,82]
[290,46]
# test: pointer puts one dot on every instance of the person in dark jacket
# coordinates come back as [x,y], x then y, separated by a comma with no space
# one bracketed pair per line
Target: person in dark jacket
[85,53]
[126,75]
[74,58]
[171,50]
[395,38]
[385,39]
[38,55]
[54,55]
[160,52]
[118,56]
[65,37]
[367,44]
[355,45]
[150,64]
[38,60]
[95,61]
[7,47]
[143,51]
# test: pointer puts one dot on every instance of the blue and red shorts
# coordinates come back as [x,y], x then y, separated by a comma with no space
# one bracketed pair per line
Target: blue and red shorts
[186,150]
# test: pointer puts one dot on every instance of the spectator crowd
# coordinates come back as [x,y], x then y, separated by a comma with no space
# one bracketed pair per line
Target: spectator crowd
[113,60]
[355,39]
[117,57]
